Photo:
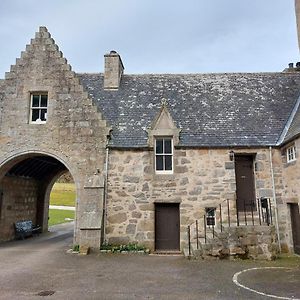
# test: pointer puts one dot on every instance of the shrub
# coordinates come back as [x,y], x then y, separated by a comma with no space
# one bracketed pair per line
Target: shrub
[76,248]
[131,247]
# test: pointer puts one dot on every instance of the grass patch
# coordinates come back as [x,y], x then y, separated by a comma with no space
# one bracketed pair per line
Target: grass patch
[63,194]
[58,216]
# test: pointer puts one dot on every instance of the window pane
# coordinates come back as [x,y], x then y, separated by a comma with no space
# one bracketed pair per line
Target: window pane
[44,99]
[43,114]
[168,162]
[35,114]
[168,146]
[159,163]
[159,146]
[35,100]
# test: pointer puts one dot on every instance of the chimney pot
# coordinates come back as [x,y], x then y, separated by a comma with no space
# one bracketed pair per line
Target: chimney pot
[291,65]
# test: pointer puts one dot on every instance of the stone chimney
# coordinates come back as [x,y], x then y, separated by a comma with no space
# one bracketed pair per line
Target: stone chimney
[292,69]
[113,70]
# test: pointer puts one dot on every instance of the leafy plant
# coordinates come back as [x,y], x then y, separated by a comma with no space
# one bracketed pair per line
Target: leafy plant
[131,247]
[76,248]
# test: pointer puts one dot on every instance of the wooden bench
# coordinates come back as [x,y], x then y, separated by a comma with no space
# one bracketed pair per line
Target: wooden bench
[25,229]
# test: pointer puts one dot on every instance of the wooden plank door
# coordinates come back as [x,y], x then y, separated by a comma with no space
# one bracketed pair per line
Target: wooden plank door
[295,219]
[167,229]
[245,190]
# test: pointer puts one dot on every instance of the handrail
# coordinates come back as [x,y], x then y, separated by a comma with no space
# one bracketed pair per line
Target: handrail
[261,210]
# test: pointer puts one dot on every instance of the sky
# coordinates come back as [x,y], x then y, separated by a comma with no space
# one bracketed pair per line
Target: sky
[157,36]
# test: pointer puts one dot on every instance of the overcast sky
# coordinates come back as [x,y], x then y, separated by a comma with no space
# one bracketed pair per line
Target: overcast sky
[157,36]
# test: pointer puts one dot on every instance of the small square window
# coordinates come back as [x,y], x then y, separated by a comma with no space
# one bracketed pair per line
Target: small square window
[164,155]
[291,153]
[210,213]
[38,108]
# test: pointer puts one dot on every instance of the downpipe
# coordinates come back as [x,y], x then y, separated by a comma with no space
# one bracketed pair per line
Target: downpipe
[275,200]
[104,216]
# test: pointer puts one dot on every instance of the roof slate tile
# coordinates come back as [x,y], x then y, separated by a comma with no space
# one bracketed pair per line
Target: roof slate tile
[212,110]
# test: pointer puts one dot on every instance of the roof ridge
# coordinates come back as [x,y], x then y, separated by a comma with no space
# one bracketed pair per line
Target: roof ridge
[197,74]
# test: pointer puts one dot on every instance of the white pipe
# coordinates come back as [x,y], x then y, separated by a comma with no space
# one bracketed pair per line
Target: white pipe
[274,198]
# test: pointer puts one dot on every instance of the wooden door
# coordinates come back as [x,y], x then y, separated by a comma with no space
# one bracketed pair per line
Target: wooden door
[167,234]
[245,190]
[295,219]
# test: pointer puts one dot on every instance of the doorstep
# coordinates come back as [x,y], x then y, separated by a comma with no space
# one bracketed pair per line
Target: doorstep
[167,252]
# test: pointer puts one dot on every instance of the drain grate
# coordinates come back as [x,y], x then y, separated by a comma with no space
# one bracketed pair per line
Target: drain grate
[45,293]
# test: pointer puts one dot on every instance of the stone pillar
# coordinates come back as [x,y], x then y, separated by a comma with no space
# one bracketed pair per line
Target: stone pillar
[297,8]
[90,212]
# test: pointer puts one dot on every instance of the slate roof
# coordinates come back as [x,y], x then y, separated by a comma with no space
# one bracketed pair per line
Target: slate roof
[212,110]
[294,129]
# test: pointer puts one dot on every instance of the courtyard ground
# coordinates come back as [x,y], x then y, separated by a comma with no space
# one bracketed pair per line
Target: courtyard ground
[41,266]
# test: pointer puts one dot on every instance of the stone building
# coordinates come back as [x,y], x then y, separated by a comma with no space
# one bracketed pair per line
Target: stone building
[149,154]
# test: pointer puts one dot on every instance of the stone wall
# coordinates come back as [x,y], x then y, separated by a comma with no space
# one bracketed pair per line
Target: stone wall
[254,242]
[75,133]
[202,178]
[19,201]
[291,176]
[287,178]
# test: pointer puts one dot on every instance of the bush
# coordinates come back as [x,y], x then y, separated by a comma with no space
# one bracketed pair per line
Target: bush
[75,248]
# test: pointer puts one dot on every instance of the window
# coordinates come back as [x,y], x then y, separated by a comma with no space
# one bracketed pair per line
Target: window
[210,216]
[291,153]
[38,108]
[164,155]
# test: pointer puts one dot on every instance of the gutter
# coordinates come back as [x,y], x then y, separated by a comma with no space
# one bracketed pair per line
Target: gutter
[288,123]
[275,200]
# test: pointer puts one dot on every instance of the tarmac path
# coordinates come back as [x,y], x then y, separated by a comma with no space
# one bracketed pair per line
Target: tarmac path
[40,266]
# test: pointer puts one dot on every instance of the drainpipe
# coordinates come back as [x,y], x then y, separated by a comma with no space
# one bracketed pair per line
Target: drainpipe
[105,195]
[274,197]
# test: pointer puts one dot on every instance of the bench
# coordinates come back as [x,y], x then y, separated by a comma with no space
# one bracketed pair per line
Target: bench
[25,229]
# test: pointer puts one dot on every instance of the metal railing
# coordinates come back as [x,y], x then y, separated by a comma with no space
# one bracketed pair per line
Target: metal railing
[228,214]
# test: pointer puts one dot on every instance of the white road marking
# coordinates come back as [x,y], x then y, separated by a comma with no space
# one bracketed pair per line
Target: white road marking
[235,280]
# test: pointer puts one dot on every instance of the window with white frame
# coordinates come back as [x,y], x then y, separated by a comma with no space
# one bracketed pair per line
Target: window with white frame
[291,153]
[164,155]
[38,108]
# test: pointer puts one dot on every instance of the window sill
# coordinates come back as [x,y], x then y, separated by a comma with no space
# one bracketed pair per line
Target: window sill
[38,123]
[291,161]
[164,172]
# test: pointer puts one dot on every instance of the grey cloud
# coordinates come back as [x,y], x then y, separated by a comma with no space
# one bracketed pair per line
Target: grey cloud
[157,36]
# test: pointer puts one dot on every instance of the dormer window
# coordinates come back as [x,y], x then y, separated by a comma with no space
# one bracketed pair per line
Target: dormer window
[291,153]
[38,108]
[164,155]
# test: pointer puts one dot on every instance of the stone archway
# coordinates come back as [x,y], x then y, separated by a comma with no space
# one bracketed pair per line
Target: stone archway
[26,180]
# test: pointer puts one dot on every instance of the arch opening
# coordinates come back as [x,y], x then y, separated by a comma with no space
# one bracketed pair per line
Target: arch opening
[26,182]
